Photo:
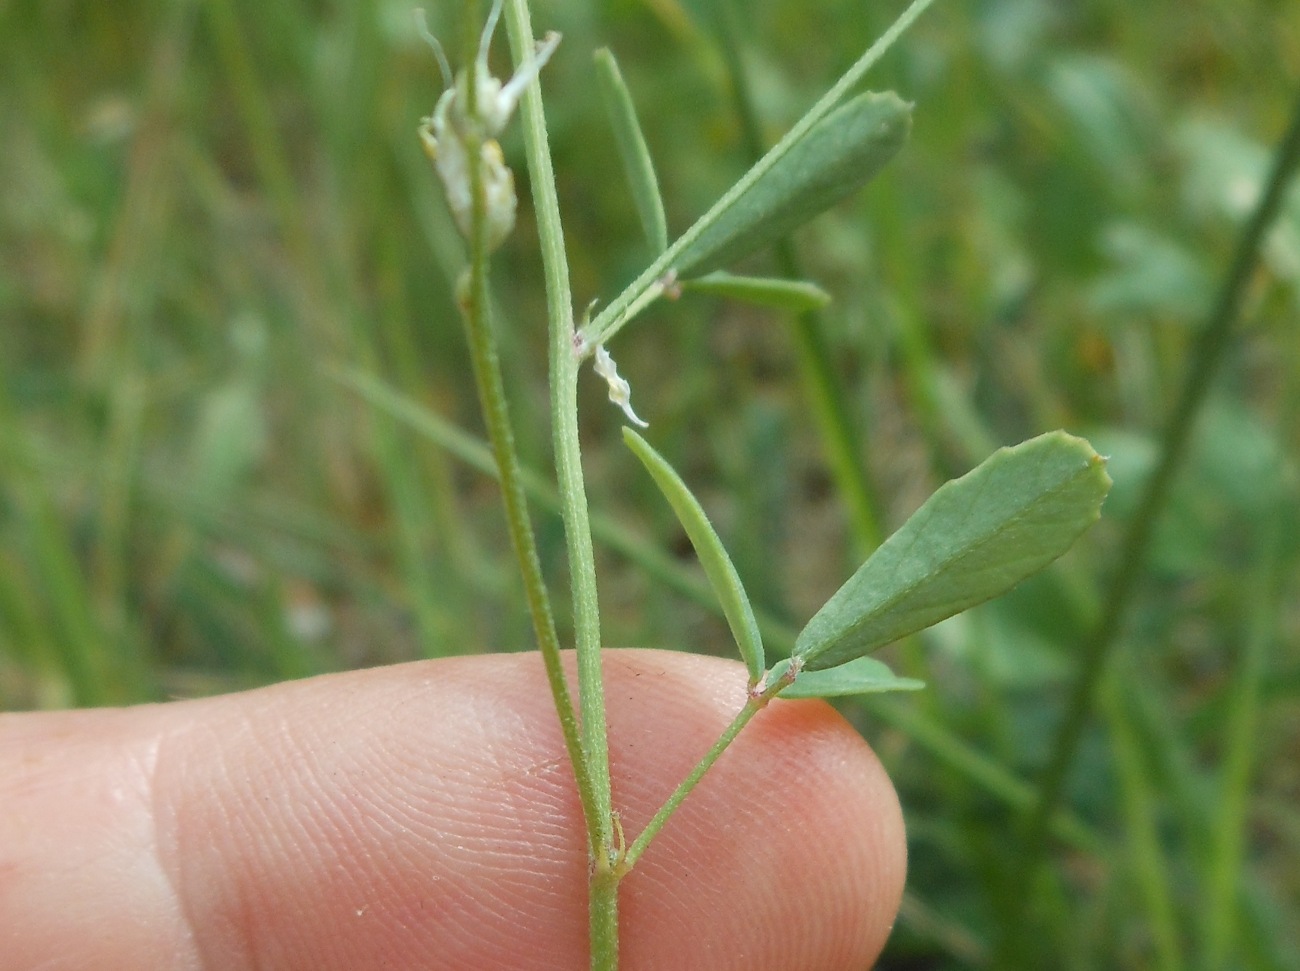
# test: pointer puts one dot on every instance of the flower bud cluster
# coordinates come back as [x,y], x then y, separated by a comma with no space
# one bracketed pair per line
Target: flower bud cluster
[454,133]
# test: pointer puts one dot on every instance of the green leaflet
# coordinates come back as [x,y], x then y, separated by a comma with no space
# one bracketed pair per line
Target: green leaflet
[794,295]
[974,539]
[835,159]
[717,564]
[638,167]
[862,676]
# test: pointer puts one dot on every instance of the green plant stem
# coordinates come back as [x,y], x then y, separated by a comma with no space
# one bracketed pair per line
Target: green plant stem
[1141,800]
[1208,354]
[564,364]
[469,35]
[475,305]
[992,778]
[487,374]
[619,312]
[602,918]
[1240,740]
[638,846]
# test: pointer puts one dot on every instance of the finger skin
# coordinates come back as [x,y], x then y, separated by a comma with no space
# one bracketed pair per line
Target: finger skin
[424,816]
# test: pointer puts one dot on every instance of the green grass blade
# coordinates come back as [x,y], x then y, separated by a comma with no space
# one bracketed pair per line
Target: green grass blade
[797,296]
[1211,350]
[974,539]
[717,564]
[982,772]
[1240,742]
[865,676]
[638,166]
[839,156]
[1141,801]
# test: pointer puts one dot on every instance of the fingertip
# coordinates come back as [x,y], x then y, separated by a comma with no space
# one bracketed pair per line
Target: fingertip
[426,816]
[416,816]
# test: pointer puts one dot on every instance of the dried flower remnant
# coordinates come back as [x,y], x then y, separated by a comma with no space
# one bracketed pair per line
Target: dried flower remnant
[620,392]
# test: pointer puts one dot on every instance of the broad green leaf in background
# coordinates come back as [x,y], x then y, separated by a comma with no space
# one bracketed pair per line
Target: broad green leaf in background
[835,159]
[708,547]
[974,539]
[638,167]
[794,295]
[863,676]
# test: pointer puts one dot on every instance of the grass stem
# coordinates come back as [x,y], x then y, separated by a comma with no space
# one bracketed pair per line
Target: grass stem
[1208,354]
[1231,823]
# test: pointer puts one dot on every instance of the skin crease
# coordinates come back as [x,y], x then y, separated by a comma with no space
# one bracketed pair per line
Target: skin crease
[424,816]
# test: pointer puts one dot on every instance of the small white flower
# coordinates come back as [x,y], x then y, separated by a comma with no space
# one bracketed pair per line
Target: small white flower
[444,133]
[620,392]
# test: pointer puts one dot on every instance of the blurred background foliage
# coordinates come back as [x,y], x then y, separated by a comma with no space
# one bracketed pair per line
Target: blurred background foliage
[208,210]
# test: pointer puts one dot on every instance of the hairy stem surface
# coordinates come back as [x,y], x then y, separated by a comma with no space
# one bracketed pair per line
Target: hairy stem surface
[564,363]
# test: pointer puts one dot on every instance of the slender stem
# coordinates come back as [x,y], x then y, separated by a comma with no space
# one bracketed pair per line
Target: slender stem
[1207,356]
[752,707]
[613,317]
[476,308]
[564,363]
[1240,744]
[1141,798]
[975,769]
[564,418]
[602,916]
[469,33]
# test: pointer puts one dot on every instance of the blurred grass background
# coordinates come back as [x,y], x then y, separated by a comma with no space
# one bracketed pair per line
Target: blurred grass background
[207,209]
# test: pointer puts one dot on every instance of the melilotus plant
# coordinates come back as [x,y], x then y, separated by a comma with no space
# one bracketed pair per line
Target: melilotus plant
[976,537]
